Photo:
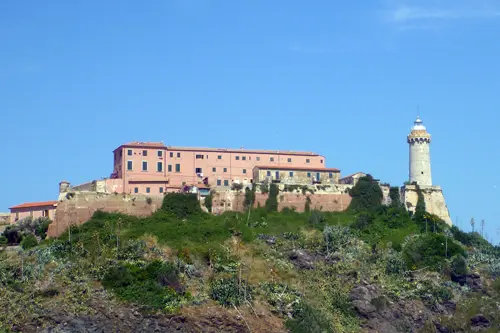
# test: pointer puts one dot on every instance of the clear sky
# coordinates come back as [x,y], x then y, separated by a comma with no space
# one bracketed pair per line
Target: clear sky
[343,78]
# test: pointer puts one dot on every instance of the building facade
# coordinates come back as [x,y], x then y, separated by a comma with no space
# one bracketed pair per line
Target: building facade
[295,175]
[153,168]
[33,209]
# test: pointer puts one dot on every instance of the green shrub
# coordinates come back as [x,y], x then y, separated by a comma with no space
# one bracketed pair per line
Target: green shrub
[336,237]
[366,195]
[249,197]
[309,319]
[13,234]
[272,199]
[458,266]
[395,264]
[429,250]
[181,205]
[316,218]
[395,197]
[237,186]
[307,206]
[284,299]
[208,202]
[3,241]
[229,292]
[148,286]
[29,242]
[363,221]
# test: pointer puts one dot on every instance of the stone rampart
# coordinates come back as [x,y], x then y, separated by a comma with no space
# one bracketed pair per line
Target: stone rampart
[433,197]
[75,208]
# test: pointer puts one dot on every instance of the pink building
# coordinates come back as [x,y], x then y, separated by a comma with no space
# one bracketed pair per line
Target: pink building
[33,209]
[153,168]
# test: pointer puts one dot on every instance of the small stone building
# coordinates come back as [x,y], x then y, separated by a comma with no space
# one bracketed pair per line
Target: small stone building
[295,175]
[352,179]
[33,209]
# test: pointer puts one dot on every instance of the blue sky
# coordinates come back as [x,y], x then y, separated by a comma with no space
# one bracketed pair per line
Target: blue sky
[78,78]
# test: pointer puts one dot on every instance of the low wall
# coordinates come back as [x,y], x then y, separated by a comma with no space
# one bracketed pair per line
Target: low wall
[328,202]
[80,206]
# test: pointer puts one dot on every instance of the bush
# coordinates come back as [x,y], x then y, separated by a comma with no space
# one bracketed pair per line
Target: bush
[272,200]
[3,241]
[458,267]
[181,205]
[336,237]
[237,187]
[13,234]
[309,319]
[307,206]
[209,202]
[363,221]
[249,197]
[228,292]
[317,218]
[148,286]
[429,250]
[395,264]
[29,242]
[284,300]
[366,195]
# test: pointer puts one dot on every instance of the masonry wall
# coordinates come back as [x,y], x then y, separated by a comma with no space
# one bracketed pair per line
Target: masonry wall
[433,197]
[321,200]
[80,206]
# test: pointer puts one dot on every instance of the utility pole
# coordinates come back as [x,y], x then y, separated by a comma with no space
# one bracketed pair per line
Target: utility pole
[472,223]
[482,228]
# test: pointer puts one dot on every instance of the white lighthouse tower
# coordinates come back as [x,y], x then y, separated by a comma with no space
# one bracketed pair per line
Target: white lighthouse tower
[420,158]
[420,173]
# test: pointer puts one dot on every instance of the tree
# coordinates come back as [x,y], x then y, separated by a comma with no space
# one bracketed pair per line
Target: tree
[272,199]
[209,202]
[395,197]
[249,197]
[366,195]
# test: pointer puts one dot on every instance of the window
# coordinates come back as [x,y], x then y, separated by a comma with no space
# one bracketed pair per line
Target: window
[214,169]
[225,169]
[161,189]
[136,190]
[289,160]
[269,173]
[321,161]
[309,175]
[199,157]
[308,161]
[171,154]
[258,158]
[271,159]
[226,182]
[129,152]
[237,158]
[17,216]
[144,153]
[148,189]
[219,157]
[177,168]
[160,153]
[170,168]
[244,170]
[244,158]
[219,182]
[129,165]
[330,175]
[144,166]
[159,166]
[291,173]
[178,155]
[198,170]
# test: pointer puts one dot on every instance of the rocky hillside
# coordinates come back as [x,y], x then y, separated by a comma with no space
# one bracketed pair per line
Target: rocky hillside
[372,268]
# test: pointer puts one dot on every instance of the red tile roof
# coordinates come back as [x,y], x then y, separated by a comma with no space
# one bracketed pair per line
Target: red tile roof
[35,204]
[139,144]
[241,150]
[279,167]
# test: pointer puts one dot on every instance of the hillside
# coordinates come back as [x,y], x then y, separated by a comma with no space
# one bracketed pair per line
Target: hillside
[372,268]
